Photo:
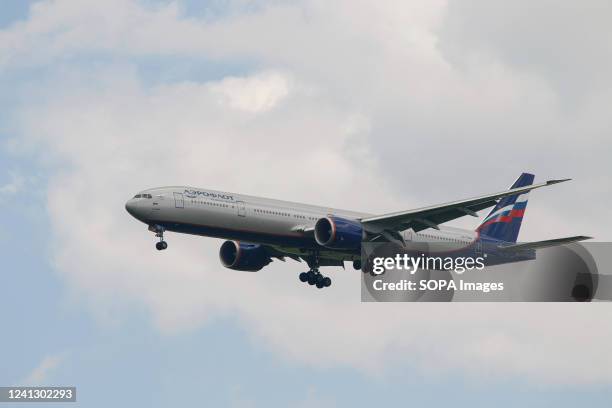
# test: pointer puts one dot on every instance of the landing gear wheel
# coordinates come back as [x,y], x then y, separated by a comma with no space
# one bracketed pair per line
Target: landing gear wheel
[357,264]
[318,279]
[159,233]
[315,279]
[311,278]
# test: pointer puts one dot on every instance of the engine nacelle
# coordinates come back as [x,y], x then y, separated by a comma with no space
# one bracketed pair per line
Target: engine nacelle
[338,233]
[242,256]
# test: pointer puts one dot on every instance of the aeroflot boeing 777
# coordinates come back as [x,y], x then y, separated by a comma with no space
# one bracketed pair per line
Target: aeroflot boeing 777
[260,229]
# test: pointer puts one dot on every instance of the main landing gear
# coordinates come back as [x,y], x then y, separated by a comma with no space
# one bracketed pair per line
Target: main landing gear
[159,233]
[313,276]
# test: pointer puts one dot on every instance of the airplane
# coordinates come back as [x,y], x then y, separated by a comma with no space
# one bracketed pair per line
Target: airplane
[258,230]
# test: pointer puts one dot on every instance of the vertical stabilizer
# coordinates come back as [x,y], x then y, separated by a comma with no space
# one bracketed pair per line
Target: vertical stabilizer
[504,220]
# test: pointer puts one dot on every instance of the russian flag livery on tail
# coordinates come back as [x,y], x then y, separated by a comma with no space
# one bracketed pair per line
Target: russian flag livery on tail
[504,221]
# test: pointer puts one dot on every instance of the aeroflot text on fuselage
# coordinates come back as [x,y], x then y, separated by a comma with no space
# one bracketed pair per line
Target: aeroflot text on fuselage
[195,193]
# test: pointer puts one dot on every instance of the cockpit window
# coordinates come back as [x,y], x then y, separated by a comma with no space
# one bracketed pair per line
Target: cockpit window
[138,196]
[143,196]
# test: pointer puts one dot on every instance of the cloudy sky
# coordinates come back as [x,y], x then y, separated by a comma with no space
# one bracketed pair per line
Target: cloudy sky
[373,106]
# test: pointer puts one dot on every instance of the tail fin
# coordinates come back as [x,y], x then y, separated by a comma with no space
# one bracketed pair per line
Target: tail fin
[504,221]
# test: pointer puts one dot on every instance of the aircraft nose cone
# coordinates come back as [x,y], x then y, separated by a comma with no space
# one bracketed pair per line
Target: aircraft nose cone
[130,207]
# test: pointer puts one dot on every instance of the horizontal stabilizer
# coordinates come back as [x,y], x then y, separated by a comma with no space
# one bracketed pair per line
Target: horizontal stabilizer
[545,244]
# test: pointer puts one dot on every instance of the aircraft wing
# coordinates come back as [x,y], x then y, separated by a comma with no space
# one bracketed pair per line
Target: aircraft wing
[278,253]
[274,252]
[544,244]
[303,228]
[430,217]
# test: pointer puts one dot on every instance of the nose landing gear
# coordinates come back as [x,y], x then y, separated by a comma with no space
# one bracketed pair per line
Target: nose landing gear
[159,233]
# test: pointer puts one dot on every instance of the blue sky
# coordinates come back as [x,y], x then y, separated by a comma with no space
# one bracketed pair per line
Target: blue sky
[73,311]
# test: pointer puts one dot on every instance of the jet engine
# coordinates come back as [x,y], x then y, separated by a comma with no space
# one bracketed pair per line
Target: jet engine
[243,256]
[338,233]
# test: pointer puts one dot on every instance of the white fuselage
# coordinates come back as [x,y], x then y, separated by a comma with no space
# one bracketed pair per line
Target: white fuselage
[254,219]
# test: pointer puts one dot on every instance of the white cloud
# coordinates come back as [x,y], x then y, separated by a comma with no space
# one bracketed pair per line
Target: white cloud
[354,104]
[254,94]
